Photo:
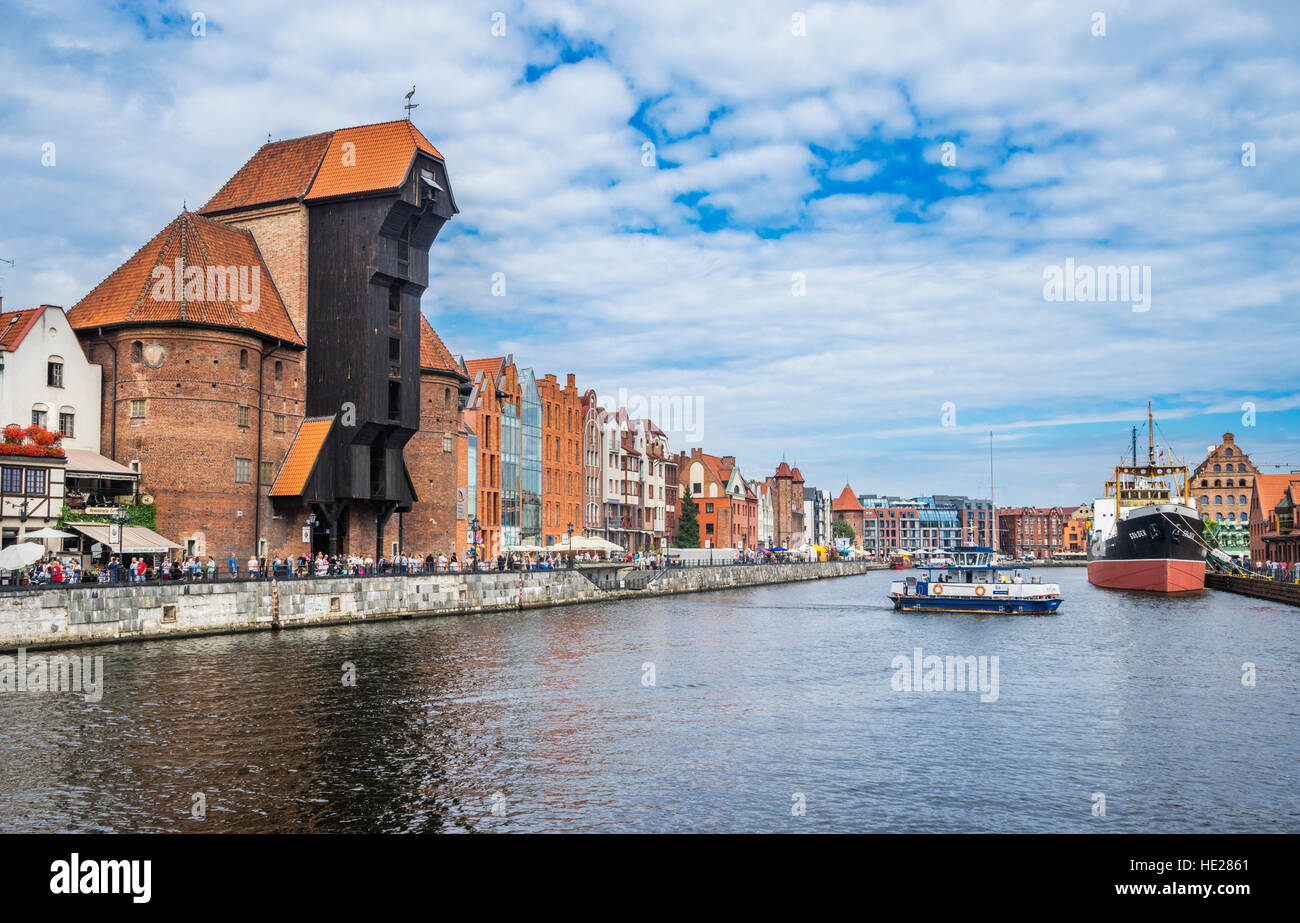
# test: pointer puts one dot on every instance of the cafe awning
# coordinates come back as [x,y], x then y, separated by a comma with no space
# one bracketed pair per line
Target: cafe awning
[86,462]
[135,539]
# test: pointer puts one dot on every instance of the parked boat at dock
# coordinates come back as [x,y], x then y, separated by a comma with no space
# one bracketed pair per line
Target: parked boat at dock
[974,582]
[1145,533]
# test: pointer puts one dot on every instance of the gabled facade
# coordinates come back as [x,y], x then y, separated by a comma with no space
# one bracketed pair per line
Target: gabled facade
[46,379]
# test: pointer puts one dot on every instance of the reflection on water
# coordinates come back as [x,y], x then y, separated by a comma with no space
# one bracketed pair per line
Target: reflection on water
[759,694]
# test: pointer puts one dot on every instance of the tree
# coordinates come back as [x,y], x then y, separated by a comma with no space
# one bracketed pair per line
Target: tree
[688,526]
[841,529]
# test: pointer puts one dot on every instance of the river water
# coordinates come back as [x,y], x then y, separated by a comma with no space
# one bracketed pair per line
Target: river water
[763,709]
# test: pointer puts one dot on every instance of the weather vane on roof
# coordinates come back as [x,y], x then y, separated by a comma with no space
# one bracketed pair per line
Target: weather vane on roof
[410,105]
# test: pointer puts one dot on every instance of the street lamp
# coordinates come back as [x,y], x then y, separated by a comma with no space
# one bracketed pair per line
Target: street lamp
[570,546]
[119,517]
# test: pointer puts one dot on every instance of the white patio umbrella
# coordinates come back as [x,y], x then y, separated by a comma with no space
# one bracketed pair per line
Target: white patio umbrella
[49,533]
[522,549]
[16,557]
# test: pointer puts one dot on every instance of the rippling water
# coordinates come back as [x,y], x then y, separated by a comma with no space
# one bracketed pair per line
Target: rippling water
[759,694]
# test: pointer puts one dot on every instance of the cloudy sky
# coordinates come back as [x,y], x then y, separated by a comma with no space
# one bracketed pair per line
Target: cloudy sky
[826,227]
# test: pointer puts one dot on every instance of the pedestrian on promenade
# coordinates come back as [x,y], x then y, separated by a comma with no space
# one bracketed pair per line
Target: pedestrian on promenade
[253,569]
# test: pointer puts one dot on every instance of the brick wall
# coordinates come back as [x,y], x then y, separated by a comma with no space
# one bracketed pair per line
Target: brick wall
[281,235]
[187,443]
[431,526]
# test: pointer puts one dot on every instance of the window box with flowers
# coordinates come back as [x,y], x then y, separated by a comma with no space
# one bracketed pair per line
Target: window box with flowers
[32,442]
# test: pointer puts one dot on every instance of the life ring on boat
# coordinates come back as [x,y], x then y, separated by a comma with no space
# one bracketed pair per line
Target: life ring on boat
[979,590]
[938,589]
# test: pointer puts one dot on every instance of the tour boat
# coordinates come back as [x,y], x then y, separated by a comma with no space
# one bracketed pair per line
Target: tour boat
[1145,535]
[974,582]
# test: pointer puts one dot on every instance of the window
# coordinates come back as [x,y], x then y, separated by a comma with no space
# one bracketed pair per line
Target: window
[243,414]
[35,480]
[1218,500]
[137,409]
[11,480]
[137,351]
[1217,468]
[446,397]
[708,507]
[277,423]
[243,358]
[268,472]
[54,373]
[446,443]
[279,370]
[1231,498]
[67,424]
[1227,467]
[1227,452]
[1243,499]
[39,417]
[243,470]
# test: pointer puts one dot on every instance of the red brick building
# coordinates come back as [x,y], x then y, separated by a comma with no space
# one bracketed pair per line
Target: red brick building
[202,397]
[1274,535]
[1033,532]
[785,488]
[847,508]
[435,524]
[562,465]
[317,245]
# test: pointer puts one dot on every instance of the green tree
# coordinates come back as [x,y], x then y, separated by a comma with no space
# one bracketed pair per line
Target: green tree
[841,529]
[688,524]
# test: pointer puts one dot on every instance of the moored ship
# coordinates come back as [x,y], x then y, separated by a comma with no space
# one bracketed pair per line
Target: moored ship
[1145,532]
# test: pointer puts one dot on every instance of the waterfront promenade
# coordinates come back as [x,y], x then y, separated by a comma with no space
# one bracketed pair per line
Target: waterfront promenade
[55,616]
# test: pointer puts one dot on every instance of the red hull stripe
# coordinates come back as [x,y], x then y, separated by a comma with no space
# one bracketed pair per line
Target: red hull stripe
[1159,575]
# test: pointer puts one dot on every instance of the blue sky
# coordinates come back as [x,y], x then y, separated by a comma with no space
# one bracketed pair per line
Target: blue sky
[779,160]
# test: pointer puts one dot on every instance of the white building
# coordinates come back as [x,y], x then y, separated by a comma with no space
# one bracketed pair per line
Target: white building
[45,378]
[765,517]
[46,381]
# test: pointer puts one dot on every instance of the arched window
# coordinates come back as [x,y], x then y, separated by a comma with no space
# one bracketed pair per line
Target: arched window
[137,351]
[1227,452]
[1231,499]
[1205,501]
[1217,468]
[1219,517]
[1218,500]
[1227,467]
[1232,517]
[243,358]
[1243,499]
[279,370]
[1241,482]
[1218,482]
[446,397]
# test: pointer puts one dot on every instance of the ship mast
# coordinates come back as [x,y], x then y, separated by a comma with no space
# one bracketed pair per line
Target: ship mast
[993,501]
[1151,439]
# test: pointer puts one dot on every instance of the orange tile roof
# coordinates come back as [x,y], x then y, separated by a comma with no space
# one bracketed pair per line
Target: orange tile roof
[489,367]
[321,166]
[783,470]
[1270,488]
[796,476]
[280,171]
[132,294]
[15,324]
[433,354]
[846,502]
[301,458]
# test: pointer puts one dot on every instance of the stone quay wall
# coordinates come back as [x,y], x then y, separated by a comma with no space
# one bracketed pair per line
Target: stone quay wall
[46,617]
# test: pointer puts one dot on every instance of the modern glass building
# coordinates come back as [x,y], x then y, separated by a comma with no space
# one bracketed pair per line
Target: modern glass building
[511,472]
[531,513]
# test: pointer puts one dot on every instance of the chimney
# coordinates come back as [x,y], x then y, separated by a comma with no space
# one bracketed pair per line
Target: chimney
[571,382]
